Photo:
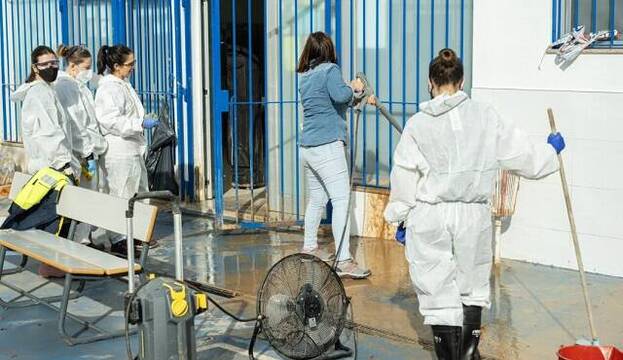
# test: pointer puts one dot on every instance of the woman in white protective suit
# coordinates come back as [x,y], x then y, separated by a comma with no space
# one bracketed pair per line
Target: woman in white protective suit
[87,140]
[441,183]
[71,88]
[122,119]
[46,132]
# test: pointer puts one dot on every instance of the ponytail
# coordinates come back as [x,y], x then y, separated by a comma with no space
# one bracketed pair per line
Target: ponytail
[73,54]
[62,50]
[102,55]
[109,56]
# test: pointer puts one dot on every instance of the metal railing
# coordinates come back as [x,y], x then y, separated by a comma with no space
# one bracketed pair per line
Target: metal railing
[392,41]
[23,26]
[158,31]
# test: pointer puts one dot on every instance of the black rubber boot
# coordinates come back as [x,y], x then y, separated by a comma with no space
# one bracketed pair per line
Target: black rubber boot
[471,332]
[447,341]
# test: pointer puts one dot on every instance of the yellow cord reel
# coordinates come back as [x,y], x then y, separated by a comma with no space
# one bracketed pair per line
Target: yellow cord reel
[179,305]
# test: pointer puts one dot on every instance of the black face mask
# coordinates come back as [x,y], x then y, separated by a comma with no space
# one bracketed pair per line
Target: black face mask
[49,74]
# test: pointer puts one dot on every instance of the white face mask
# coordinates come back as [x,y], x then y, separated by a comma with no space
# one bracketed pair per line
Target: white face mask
[84,76]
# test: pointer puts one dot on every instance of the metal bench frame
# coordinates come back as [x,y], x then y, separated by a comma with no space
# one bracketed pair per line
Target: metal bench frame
[67,294]
[63,300]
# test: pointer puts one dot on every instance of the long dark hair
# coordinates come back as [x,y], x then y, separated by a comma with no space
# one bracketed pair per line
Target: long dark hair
[73,54]
[34,59]
[109,56]
[446,68]
[318,49]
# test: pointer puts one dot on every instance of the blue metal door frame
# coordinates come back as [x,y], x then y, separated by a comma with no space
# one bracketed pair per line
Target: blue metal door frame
[221,103]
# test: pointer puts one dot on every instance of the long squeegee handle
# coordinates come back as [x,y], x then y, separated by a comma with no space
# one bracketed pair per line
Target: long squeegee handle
[392,120]
[369,92]
[574,235]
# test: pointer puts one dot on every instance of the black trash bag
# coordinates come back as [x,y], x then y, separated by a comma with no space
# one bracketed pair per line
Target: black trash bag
[160,160]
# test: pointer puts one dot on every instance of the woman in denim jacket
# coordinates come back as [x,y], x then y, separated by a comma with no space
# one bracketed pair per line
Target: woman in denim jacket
[325,98]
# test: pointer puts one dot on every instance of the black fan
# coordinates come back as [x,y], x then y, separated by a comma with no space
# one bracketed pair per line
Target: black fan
[302,308]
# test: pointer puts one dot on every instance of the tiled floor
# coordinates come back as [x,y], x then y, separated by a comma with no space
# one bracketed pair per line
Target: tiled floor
[535,308]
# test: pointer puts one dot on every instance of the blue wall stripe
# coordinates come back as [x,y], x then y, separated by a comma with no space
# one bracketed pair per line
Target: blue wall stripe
[2,72]
[365,123]
[190,194]
[233,118]
[296,107]
[281,127]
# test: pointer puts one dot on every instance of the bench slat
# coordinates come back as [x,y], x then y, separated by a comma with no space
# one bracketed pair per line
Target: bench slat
[21,242]
[50,247]
[110,263]
[106,211]
[19,180]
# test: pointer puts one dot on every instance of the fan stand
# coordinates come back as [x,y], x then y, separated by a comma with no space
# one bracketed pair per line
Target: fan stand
[256,331]
[340,351]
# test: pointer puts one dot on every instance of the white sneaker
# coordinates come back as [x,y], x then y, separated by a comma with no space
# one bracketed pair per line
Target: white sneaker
[349,268]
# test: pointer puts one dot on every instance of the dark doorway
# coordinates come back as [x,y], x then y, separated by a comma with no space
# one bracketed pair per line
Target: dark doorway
[242,59]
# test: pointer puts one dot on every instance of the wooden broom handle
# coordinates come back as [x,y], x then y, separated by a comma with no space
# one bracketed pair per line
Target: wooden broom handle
[574,235]
[552,123]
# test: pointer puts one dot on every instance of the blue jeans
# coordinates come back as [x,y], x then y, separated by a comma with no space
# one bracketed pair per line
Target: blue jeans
[326,171]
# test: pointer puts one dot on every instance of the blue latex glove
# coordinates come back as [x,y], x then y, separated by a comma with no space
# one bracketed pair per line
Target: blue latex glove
[92,167]
[401,233]
[557,141]
[149,122]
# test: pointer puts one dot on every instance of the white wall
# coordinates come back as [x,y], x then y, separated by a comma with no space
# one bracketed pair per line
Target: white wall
[510,38]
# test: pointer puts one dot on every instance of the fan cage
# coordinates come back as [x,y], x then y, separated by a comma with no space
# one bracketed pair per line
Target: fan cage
[278,287]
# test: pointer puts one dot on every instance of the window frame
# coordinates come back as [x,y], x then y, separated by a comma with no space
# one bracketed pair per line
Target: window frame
[562,21]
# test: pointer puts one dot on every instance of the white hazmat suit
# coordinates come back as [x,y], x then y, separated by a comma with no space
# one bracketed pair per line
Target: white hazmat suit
[46,131]
[120,114]
[79,104]
[444,170]
[78,101]
[87,138]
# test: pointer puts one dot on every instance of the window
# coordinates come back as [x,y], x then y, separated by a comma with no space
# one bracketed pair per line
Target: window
[594,15]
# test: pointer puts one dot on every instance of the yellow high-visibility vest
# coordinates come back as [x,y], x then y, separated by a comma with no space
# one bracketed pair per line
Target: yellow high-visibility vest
[39,185]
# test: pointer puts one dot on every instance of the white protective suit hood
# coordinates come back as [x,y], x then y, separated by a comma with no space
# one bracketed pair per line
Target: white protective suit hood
[20,94]
[46,133]
[443,103]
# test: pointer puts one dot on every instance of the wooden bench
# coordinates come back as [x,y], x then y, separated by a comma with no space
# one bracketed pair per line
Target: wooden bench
[79,262]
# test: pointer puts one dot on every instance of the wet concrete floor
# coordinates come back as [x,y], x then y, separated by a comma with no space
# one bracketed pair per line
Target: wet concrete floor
[535,308]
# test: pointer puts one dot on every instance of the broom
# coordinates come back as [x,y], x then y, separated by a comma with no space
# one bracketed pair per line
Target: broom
[580,352]
[504,200]
[574,235]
